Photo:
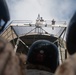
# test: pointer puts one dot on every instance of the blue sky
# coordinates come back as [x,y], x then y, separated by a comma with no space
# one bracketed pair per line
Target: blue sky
[49,9]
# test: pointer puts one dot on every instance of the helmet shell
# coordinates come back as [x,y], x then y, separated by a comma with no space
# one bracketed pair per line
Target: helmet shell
[71,36]
[4,12]
[45,53]
[4,15]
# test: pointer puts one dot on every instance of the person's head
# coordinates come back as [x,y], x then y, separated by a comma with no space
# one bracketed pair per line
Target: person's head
[44,53]
[71,36]
[41,18]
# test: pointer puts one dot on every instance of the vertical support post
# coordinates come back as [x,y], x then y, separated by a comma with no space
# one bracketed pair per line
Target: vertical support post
[13,37]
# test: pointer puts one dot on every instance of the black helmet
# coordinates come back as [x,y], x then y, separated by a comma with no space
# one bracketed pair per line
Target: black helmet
[71,36]
[45,53]
[4,14]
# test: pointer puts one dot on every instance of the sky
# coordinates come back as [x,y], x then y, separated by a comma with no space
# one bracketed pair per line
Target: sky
[61,10]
